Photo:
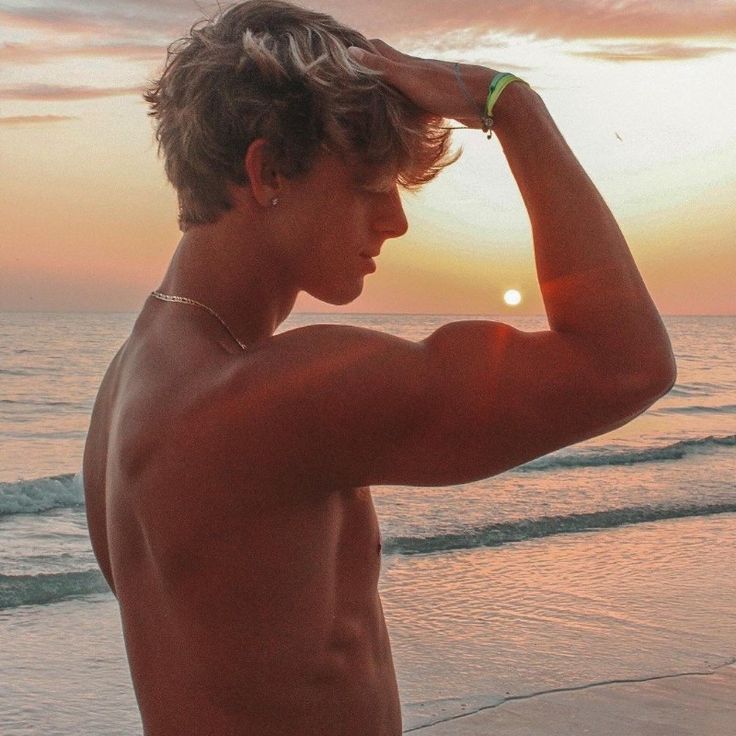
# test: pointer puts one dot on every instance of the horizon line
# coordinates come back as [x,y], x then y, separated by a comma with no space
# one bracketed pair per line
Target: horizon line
[357,314]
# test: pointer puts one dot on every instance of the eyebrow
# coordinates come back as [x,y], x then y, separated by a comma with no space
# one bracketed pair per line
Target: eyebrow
[382,180]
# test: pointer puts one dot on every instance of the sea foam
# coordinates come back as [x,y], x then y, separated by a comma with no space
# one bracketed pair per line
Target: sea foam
[674,451]
[41,494]
[26,590]
[519,530]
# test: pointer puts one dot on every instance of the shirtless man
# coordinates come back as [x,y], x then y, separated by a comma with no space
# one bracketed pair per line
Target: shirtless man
[228,469]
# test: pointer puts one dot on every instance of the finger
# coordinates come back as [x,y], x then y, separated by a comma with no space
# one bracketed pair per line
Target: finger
[385,50]
[375,62]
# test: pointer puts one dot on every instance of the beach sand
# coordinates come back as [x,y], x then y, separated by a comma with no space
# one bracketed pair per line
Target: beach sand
[679,705]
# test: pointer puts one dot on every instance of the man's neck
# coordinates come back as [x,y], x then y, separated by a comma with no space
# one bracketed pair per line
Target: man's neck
[241,277]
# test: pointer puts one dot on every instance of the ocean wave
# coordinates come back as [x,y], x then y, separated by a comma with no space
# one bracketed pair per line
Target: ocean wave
[494,535]
[41,494]
[675,451]
[724,409]
[29,590]
[64,491]
[695,389]
[45,588]
[37,402]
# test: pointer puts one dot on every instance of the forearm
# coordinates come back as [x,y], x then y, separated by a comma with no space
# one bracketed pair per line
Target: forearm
[590,283]
[592,289]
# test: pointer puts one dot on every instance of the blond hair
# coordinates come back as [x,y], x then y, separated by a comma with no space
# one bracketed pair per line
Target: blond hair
[270,69]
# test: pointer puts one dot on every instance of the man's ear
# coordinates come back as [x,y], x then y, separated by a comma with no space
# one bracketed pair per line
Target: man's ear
[262,172]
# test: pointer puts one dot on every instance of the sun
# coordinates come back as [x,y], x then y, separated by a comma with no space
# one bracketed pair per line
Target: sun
[512,297]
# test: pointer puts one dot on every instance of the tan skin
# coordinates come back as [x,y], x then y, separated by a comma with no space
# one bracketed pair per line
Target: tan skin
[228,492]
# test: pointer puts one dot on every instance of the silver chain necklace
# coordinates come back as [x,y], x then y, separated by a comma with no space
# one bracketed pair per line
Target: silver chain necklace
[193,302]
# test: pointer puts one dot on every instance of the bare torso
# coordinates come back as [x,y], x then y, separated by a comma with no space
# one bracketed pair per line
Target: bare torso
[227,492]
[248,593]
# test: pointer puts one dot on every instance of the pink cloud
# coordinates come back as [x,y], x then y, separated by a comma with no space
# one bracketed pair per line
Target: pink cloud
[123,19]
[405,19]
[35,119]
[53,92]
[573,19]
[652,52]
[20,53]
[47,18]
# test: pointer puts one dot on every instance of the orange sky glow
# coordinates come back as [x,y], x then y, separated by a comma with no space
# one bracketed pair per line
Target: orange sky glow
[642,90]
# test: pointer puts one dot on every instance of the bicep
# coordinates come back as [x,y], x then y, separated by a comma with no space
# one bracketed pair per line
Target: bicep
[495,397]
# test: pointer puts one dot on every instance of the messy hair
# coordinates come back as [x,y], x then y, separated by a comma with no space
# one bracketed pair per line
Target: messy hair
[269,69]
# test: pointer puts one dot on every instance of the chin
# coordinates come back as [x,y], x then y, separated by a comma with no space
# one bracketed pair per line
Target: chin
[339,301]
[337,298]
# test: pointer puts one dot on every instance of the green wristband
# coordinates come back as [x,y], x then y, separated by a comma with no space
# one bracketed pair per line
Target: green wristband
[498,84]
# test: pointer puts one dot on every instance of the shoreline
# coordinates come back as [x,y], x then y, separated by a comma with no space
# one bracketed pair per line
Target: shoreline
[671,705]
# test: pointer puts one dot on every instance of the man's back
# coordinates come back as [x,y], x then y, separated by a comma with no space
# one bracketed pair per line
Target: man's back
[248,594]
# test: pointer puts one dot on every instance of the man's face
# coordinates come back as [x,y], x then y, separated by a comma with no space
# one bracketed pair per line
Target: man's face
[343,213]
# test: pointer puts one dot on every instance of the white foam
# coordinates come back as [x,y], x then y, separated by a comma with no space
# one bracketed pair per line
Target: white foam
[41,494]
[26,590]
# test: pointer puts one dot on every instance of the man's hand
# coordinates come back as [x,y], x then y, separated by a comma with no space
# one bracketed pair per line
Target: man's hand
[429,83]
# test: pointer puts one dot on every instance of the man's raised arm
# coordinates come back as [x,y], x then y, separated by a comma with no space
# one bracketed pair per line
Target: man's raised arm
[476,398]
[591,287]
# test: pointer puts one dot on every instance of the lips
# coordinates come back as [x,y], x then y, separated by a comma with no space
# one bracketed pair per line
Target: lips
[369,261]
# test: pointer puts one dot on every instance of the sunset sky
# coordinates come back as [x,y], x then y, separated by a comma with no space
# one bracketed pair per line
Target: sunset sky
[643,91]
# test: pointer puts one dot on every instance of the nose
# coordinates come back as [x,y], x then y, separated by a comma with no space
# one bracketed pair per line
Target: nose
[390,219]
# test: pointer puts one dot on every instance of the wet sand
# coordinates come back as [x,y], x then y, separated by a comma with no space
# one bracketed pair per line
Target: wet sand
[675,705]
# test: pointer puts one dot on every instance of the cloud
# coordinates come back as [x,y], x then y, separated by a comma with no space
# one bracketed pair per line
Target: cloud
[52,92]
[652,52]
[569,20]
[467,46]
[20,53]
[50,19]
[401,19]
[35,119]
[104,18]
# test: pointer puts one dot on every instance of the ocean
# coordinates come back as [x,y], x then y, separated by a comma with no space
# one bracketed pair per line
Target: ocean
[612,560]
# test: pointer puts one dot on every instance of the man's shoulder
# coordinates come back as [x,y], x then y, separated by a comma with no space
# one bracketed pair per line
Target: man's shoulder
[322,338]
[296,399]
[317,351]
